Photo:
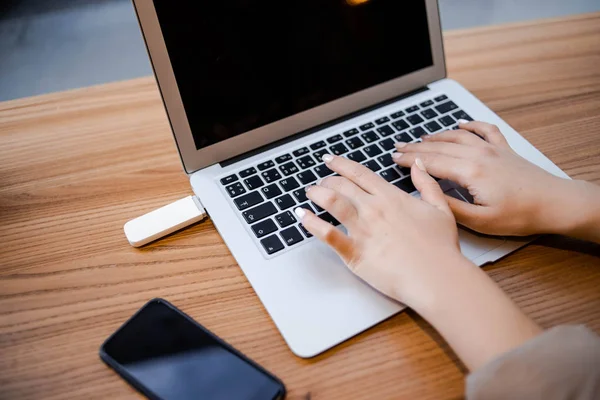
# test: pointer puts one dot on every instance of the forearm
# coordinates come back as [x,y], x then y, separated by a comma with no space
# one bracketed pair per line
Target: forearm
[575,213]
[477,319]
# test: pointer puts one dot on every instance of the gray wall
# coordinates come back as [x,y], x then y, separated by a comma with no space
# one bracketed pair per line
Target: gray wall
[51,45]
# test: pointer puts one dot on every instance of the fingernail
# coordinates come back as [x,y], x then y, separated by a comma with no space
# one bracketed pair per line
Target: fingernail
[424,137]
[400,145]
[463,121]
[396,156]
[300,212]
[306,189]
[318,182]
[327,158]
[420,165]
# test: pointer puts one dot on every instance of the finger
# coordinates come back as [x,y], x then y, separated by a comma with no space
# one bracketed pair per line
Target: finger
[489,132]
[362,176]
[448,149]
[470,215]
[438,165]
[429,188]
[345,187]
[327,233]
[337,204]
[458,136]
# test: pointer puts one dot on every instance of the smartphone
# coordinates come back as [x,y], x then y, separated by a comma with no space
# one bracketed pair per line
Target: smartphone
[165,354]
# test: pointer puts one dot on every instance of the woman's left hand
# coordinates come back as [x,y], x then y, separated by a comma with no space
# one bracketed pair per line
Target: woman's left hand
[397,243]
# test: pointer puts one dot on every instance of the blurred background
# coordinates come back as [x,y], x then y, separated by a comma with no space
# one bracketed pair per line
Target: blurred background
[52,45]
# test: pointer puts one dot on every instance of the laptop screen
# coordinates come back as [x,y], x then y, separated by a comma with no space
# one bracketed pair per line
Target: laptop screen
[242,64]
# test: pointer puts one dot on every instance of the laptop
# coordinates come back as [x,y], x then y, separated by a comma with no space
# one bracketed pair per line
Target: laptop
[257,91]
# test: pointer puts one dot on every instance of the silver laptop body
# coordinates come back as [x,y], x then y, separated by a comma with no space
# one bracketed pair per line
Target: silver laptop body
[249,171]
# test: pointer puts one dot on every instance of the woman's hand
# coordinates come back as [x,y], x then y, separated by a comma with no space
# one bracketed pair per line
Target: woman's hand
[396,242]
[408,249]
[512,196]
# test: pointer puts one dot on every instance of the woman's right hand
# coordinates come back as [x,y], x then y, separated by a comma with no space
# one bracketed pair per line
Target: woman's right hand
[511,195]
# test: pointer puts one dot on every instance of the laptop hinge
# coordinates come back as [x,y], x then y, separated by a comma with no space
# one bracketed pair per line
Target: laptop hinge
[262,149]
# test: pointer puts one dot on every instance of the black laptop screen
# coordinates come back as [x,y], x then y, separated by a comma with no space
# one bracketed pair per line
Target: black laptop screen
[241,64]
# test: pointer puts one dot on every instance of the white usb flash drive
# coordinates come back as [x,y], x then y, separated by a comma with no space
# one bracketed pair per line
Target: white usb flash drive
[163,221]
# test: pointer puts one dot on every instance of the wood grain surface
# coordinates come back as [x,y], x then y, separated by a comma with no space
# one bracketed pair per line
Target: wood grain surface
[75,166]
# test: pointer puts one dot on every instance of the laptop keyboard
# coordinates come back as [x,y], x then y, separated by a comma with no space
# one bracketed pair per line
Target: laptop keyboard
[266,194]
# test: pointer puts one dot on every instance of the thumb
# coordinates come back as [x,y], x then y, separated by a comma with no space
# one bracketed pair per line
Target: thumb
[430,190]
[467,214]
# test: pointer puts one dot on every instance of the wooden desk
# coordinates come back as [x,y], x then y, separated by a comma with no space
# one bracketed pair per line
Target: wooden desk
[75,166]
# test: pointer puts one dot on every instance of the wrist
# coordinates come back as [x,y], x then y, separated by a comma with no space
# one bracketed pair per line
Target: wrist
[574,210]
[435,283]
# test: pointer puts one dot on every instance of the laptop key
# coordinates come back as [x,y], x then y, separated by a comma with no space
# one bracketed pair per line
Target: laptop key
[387,144]
[372,150]
[445,107]
[385,130]
[370,136]
[305,162]
[288,168]
[441,98]
[398,114]
[460,114]
[264,228]
[229,179]
[433,126]
[390,175]
[426,103]
[429,113]
[403,170]
[329,219]
[406,185]
[372,165]
[351,132]
[323,171]
[270,191]
[317,207]
[289,184]
[235,190]
[318,145]
[338,149]
[271,175]
[259,212]
[265,165]
[247,172]
[319,154]
[284,202]
[303,229]
[412,109]
[355,143]
[386,160]
[284,158]
[334,139]
[415,119]
[300,195]
[382,120]
[357,156]
[307,207]
[401,125]
[417,132]
[306,177]
[367,126]
[447,120]
[285,219]
[272,244]
[248,200]
[403,137]
[291,236]
[254,182]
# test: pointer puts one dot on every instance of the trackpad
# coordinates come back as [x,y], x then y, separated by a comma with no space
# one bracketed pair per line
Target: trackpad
[473,245]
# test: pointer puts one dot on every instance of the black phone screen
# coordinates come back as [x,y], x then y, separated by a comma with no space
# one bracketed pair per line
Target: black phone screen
[172,357]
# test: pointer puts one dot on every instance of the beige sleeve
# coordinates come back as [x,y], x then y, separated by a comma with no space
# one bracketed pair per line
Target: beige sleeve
[561,363]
